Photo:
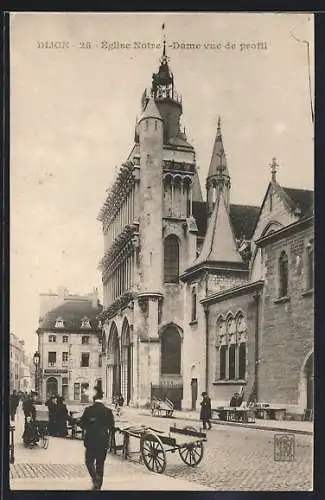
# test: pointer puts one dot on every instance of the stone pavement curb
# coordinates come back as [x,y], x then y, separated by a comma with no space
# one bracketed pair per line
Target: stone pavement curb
[245,425]
[133,481]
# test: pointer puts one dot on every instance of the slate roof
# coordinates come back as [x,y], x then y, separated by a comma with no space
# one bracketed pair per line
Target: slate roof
[219,242]
[302,198]
[199,210]
[72,312]
[243,219]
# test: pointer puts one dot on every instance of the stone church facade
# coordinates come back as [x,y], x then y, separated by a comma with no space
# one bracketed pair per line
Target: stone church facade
[187,283]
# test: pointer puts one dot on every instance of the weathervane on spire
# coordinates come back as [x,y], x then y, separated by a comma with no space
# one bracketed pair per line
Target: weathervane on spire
[274,169]
[164,57]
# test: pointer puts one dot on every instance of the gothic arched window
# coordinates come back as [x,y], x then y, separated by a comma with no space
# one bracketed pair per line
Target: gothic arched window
[283,274]
[171,259]
[310,265]
[194,300]
[170,351]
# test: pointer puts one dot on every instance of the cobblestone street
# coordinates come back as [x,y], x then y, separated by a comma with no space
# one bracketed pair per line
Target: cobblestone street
[235,459]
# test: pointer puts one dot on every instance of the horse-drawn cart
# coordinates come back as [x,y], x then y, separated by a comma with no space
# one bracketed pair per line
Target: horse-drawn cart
[154,444]
[162,407]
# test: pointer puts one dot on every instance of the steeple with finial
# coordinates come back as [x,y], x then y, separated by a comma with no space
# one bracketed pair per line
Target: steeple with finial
[167,99]
[218,175]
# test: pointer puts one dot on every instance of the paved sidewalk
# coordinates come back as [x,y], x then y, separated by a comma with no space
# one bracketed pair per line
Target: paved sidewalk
[119,475]
[296,427]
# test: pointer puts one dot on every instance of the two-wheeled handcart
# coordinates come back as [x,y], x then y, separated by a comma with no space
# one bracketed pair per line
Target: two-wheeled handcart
[155,444]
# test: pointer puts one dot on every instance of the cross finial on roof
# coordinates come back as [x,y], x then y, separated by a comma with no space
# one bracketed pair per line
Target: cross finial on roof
[274,168]
[164,58]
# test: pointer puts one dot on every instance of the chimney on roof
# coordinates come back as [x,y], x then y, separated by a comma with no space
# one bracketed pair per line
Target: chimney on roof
[94,300]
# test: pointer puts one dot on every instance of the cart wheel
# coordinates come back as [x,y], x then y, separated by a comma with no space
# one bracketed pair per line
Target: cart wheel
[153,453]
[192,453]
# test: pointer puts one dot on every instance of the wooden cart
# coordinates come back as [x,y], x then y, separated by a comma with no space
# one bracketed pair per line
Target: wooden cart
[154,444]
[162,407]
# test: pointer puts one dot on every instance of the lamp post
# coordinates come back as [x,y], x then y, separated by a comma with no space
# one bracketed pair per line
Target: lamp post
[36,360]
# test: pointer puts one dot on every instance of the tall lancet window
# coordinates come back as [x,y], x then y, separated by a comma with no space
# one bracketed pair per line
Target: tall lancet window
[171,259]
[310,265]
[283,274]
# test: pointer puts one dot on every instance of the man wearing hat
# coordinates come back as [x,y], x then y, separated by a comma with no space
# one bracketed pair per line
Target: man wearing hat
[205,414]
[97,422]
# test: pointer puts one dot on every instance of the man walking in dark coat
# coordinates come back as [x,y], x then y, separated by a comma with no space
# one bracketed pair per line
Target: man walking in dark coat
[97,422]
[14,403]
[205,414]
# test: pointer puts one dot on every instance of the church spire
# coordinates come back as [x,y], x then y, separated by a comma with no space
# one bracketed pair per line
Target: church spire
[218,175]
[218,163]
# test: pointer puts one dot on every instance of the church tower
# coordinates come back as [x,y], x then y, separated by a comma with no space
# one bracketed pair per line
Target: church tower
[151,172]
[218,177]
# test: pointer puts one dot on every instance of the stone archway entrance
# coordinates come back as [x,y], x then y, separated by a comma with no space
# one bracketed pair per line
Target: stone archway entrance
[51,386]
[309,377]
[126,360]
[114,362]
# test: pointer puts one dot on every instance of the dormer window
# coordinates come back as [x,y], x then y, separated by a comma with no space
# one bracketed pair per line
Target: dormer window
[59,323]
[85,323]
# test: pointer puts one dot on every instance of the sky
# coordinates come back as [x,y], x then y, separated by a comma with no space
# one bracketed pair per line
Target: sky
[73,111]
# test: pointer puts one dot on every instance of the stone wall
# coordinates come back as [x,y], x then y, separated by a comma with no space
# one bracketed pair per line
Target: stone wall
[287,331]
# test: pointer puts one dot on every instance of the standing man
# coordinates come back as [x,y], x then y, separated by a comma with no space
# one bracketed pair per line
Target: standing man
[97,422]
[14,402]
[205,414]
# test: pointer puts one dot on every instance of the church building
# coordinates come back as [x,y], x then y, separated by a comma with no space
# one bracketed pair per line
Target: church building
[201,294]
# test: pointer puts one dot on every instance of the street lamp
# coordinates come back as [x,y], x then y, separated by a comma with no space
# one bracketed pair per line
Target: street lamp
[36,360]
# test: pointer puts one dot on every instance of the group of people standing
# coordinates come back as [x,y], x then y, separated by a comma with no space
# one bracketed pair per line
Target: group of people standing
[58,416]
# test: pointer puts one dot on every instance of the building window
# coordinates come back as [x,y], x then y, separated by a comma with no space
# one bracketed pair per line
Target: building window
[194,301]
[231,341]
[100,360]
[242,361]
[171,259]
[170,351]
[65,388]
[84,360]
[283,274]
[85,339]
[65,339]
[85,323]
[222,362]
[65,357]
[52,358]
[52,338]
[76,391]
[310,265]
[59,323]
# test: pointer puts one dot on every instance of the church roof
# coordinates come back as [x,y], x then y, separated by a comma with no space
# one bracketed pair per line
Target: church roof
[218,158]
[179,141]
[200,213]
[302,198]
[243,219]
[151,111]
[219,243]
[196,188]
[72,312]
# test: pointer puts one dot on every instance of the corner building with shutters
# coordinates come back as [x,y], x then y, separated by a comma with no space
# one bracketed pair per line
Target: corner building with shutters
[172,261]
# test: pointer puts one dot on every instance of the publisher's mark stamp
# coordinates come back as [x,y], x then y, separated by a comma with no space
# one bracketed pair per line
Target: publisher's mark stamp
[284,447]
